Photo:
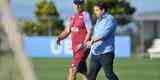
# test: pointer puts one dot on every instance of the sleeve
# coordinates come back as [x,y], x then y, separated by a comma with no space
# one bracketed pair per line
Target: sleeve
[109,26]
[87,21]
[68,24]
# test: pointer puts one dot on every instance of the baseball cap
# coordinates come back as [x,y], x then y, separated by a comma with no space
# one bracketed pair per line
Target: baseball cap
[78,1]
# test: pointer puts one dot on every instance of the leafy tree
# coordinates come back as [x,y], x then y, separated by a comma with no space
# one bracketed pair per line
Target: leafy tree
[121,9]
[47,21]
[28,27]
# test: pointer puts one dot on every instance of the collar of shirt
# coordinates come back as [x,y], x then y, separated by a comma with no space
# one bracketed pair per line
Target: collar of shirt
[103,15]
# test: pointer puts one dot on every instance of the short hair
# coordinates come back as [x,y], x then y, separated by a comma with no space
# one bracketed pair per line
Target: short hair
[103,5]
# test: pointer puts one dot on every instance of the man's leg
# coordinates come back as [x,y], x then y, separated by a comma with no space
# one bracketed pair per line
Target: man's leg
[73,69]
[72,72]
[83,74]
[75,66]
[82,67]
[107,64]
[94,68]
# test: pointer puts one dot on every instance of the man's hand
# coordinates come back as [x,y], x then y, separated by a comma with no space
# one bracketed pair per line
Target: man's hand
[58,41]
[78,47]
[84,46]
[88,44]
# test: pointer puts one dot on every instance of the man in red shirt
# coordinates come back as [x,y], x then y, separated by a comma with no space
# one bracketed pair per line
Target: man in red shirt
[80,30]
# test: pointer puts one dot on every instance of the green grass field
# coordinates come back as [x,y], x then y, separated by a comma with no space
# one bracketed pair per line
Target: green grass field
[57,69]
[126,69]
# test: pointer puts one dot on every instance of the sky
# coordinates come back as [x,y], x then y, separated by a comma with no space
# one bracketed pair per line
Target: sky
[146,5]
[25,8]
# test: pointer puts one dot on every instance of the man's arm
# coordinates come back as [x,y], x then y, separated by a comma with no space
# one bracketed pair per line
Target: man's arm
[64,34]
[88,37]
[109,27]
[88,24]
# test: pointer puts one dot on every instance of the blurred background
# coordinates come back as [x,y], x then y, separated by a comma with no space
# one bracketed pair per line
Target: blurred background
[40,21]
